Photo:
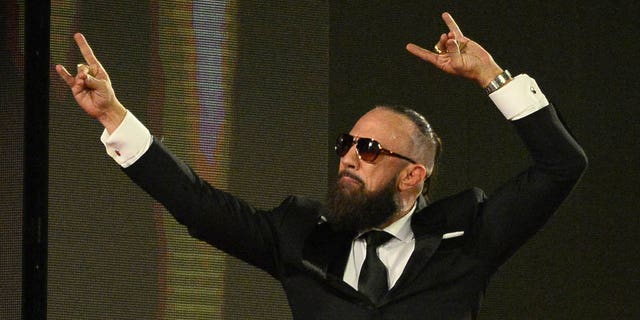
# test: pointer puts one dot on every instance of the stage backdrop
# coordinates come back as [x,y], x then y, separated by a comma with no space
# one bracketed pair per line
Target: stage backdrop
[237,89]
[240,89]
[12,150]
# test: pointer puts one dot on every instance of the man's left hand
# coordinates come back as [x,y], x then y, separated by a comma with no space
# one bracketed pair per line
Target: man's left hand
[459,55]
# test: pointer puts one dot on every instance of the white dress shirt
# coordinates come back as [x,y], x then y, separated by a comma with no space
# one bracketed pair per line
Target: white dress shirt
[394,254]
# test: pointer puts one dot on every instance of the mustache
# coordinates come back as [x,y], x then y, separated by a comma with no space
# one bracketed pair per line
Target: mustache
[349,175]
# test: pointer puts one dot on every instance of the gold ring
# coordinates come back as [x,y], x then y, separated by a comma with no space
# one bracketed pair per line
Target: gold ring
[438,51]
[89,72]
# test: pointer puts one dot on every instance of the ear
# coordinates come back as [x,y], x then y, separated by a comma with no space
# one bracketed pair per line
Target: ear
[412,176]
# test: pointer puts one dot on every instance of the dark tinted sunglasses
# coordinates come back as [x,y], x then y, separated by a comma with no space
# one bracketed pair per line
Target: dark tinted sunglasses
[367,149]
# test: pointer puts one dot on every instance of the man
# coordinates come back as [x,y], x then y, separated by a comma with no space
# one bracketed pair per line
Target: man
[378,251]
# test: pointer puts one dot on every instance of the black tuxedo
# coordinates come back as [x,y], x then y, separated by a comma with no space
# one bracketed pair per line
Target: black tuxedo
[444,278]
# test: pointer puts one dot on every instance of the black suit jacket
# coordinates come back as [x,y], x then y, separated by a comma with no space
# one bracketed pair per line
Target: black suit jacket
[444,278]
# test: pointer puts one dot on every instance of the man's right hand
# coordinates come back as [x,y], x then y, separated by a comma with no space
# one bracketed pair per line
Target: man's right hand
[92,88]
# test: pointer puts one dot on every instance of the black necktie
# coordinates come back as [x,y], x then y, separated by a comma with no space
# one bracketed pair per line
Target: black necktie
[373,275]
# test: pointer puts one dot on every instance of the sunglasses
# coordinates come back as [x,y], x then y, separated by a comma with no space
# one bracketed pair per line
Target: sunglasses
[367,149]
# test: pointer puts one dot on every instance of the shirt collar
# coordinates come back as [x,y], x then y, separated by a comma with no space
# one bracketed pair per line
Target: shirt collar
[401,229]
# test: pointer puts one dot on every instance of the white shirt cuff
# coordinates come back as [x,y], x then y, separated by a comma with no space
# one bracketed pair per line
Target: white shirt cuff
[128,142]
[519,98]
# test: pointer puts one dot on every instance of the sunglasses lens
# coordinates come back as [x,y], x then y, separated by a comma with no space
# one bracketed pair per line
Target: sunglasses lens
[343,144]
[368,149]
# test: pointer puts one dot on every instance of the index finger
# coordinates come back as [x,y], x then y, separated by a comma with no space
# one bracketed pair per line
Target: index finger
[85,49]
[453,26]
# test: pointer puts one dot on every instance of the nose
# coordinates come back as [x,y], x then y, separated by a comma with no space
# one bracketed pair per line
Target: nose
[350,159]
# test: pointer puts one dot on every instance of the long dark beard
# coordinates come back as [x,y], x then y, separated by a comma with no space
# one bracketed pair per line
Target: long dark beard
[353,210]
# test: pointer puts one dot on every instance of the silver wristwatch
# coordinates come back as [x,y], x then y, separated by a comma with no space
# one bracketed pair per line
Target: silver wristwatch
[498,82]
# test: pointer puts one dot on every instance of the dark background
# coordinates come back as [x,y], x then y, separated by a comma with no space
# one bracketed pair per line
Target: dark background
[11,168]
[584,55]
[582,265]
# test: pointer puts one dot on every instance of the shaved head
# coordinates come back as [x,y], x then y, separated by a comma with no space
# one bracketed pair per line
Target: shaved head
[426,144]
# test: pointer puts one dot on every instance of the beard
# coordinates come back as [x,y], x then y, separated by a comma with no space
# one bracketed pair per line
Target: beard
[352,209]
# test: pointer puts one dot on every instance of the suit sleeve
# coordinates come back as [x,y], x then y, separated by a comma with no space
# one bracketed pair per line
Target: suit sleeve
[210,214]
[521,206]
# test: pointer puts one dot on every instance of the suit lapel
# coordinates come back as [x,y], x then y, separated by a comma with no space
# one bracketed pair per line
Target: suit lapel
[326,251]
[428,225]
[325,255]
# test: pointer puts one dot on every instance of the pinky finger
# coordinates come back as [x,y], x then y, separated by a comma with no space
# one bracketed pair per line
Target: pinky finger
[422,53]
[65,75]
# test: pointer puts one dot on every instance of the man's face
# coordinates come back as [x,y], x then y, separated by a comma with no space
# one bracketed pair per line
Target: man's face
[393,132]
[364,195]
